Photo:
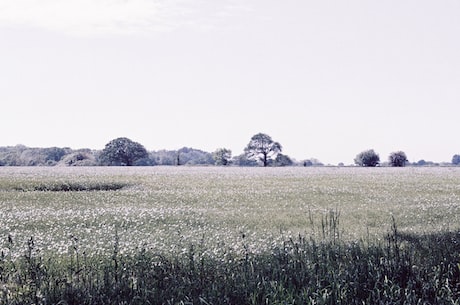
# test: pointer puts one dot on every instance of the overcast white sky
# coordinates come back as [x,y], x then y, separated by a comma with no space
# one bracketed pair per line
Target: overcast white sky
[326,79]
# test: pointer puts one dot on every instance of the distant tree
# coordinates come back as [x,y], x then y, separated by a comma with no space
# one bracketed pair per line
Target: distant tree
[164,157]
[456,159]
[397,159]
[183,156]
[21,155]
[421,163]
[192,156]
[30,157]
[242,160]
[283,160]
[311,162]
[222,156]
[82,157]
[53,154]
[147,161]
[262,149]
[316,162]
[178,159]
[367,158]
[122,151]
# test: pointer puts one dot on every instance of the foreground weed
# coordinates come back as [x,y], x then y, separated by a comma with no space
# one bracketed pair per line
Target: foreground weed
[300,270]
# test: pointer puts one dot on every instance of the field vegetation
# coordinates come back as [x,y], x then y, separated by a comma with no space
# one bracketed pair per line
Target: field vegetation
[213,235]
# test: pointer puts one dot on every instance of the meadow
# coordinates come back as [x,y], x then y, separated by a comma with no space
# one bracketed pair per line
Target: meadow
[96,235]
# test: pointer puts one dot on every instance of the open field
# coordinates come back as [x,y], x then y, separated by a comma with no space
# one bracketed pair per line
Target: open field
[167,208]
[210,235]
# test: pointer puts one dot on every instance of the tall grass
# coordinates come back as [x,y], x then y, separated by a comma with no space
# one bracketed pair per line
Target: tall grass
[401,269]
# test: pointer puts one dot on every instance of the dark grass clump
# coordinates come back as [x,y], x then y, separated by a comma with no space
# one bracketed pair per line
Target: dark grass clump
[72,187]
[404,269]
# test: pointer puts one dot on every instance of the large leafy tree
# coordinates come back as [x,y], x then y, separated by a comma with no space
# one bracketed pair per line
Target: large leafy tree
[122,152]
[262,149]
[367,158]
[397,159]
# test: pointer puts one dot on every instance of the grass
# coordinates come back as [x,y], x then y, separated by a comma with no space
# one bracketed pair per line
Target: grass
[229,236]
[404,269]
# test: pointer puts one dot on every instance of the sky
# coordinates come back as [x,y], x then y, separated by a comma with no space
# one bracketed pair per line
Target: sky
[325,79]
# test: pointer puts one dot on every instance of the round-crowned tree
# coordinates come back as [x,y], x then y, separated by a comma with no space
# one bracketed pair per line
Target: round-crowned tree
[122,152]
[367,158]
[262,149]
[397,159]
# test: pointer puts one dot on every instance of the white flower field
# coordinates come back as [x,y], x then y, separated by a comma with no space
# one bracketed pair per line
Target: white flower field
[166,209]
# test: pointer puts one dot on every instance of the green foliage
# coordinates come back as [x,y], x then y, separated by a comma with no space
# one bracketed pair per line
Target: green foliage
[397,159]
[456,159]
[367,158]
[183,156]
[242,160]
[421,163]
[79,158]
[164,157]
[54,154]
[283,160]
[21,155]
[262,149]
[122,152]
[311,162]
[191,156]
[222,156]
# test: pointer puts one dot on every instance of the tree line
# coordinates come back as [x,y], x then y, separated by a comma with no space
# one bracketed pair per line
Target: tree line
[261,150]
